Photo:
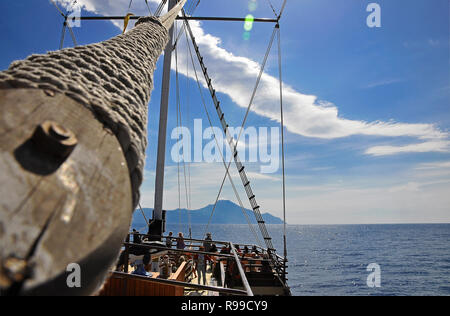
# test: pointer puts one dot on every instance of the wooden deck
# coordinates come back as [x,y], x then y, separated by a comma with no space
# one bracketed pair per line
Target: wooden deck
[131,285]
[209,281]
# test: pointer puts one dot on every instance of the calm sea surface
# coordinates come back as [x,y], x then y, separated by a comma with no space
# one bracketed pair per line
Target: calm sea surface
[333,260]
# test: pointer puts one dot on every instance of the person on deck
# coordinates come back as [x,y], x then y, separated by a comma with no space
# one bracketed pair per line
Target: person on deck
[180,241]
[225,250]
[165,267]
[208,242]
[169,240]
[136,237]
[200,260]
[266,268]
[140,266]
[207,245]
[255,251]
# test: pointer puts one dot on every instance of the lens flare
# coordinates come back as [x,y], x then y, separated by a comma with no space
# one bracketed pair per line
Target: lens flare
[248,25]
[252,5]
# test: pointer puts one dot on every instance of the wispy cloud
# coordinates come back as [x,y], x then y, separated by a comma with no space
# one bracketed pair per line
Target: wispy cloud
[384,82]
[431,42]
[434,165]
[410,186]
[429,146]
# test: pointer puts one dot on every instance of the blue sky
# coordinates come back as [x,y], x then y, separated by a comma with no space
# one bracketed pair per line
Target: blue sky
[367,109]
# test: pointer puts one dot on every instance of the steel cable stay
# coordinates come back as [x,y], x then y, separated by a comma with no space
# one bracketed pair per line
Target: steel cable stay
[192,8]
[163,3]
[179,125]
[187,178]
[232,183]
[223,159]
[239,165]
[143,214]
[160,8]
[65,25]
[273,9]
[178,132]
[230,139]
[258,241]
[148,7]
[282,147]
[72,34]
[282,9]
[189,163]
[63,33]
[181,31]
[244,178]
[129,6]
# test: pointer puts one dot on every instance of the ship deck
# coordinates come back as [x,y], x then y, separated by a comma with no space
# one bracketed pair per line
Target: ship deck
[229,272]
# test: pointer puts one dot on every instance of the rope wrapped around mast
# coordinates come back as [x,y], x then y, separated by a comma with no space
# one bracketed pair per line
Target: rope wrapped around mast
[113,79]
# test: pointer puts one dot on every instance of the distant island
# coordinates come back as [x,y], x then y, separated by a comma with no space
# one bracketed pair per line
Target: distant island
[226,212]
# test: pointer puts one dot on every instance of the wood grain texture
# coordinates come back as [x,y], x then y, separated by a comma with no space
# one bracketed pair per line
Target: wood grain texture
[54,212]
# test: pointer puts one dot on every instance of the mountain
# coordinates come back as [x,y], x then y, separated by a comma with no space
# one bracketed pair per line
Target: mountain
[226,212]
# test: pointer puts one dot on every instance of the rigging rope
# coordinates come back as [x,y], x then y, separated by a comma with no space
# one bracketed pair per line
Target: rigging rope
[129,6]
[190,14]
[160,8]
[57,8]
[179,125]
[189,196]
[273,9]
[282,142]
[148,7]
[143,214]
[178,132]
[65,25]
[258,241]
[193,8]
[72,35]
[282,9]
[248,111]
[63,34]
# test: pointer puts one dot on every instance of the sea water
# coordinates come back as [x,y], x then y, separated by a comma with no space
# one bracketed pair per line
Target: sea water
[413,259]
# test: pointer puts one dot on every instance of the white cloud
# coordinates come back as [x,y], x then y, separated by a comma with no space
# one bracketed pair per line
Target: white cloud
[410,186]
[305,115]
[430,146]
[434,165]
[384,82]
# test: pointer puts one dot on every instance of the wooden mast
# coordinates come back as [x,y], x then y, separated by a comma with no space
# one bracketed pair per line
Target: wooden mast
[72,146]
